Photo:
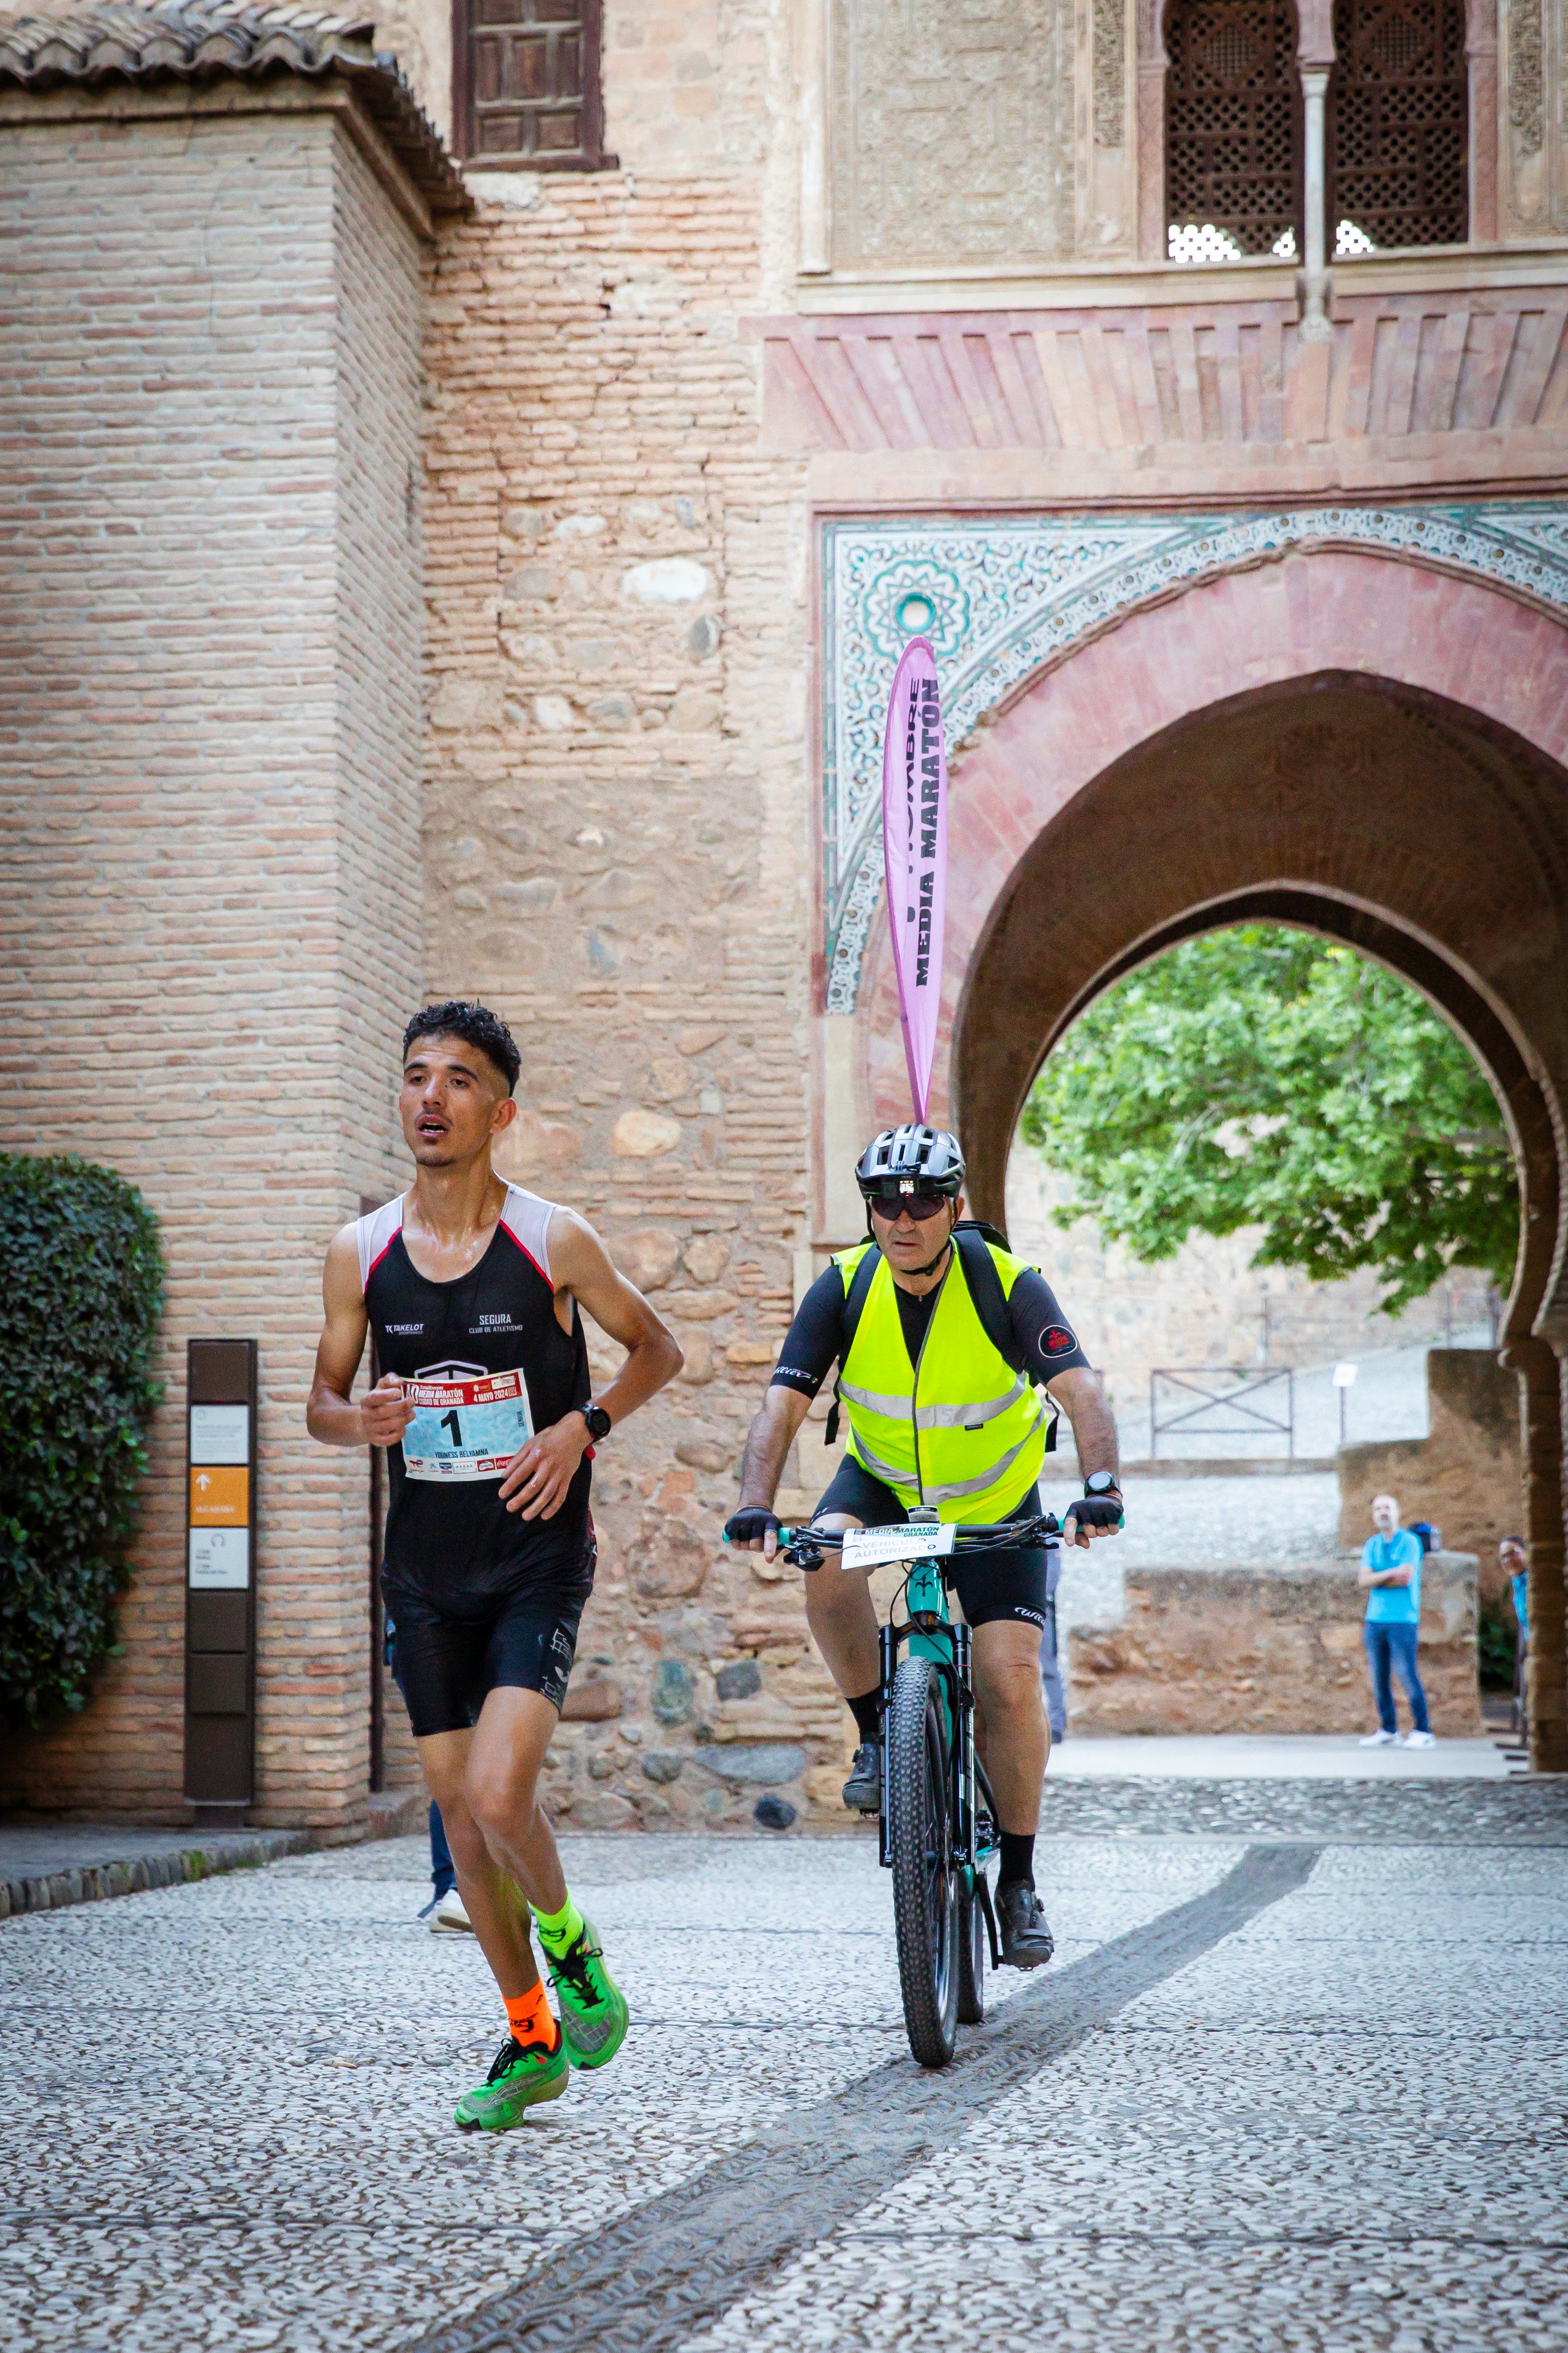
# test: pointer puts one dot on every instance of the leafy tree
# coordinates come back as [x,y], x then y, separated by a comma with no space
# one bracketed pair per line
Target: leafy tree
[1263,1076]
[78,1319]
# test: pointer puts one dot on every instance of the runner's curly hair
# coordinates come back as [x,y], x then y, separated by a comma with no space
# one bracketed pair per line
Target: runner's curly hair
[477,1025]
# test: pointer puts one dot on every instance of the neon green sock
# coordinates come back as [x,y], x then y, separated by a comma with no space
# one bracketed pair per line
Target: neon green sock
[559,1930]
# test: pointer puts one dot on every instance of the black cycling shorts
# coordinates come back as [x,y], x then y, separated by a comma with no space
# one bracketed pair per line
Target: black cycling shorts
[989,1585]
[447,1655]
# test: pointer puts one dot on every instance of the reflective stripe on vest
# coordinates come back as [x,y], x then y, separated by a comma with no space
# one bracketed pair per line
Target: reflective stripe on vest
[961,1430]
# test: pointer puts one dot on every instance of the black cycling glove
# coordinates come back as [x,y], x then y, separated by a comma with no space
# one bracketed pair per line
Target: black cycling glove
[751,1526]
[1097,1510]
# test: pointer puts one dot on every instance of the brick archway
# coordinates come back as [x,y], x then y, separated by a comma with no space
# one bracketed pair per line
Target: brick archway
[1355,742]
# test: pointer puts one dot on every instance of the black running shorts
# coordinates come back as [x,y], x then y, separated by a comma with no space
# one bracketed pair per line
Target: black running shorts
[447,1655]
[989,1585]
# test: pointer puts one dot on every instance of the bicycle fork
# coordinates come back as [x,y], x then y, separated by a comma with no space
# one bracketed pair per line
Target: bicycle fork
[953,1667]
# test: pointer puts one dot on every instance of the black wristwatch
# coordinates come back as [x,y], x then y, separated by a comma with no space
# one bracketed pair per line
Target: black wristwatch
[598,1421]
[1101,1483]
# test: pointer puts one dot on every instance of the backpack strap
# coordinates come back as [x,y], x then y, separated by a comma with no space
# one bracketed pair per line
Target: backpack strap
[971,1238]
[985,1290]
[854,1307]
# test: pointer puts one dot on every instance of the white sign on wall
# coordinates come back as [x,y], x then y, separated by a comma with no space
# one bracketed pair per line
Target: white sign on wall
[220,1558]
[220,1433]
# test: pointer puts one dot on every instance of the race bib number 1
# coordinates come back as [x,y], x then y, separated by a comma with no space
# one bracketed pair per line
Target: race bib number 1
[465,1429]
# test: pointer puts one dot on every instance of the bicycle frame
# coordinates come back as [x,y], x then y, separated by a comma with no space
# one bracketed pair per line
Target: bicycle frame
[930,1633]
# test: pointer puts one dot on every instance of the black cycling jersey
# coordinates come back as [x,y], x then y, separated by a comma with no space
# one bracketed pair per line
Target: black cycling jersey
[1047,1341]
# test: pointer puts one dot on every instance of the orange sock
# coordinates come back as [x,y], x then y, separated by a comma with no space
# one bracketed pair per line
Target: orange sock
[528,2015]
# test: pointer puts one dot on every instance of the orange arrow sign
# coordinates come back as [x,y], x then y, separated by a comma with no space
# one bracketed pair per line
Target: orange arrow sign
[220,1498]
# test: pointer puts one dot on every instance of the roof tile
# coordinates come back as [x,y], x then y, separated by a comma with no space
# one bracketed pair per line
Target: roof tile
[111,40]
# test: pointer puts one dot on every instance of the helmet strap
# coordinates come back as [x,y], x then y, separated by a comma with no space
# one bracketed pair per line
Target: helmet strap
[937,1260]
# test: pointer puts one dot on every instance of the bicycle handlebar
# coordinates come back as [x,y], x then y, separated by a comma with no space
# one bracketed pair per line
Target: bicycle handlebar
[989,1537]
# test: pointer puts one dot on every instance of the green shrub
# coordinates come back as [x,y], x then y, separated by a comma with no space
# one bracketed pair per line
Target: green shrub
[79,1316]
[1497,1632]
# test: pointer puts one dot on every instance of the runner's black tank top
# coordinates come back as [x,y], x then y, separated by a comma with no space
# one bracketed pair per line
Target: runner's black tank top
[488,1363]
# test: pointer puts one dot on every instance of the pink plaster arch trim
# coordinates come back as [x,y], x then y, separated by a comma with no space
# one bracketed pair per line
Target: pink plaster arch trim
[1314,610]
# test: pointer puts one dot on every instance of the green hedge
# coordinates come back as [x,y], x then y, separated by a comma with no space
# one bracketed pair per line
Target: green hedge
[78,1317]
[1497,1634]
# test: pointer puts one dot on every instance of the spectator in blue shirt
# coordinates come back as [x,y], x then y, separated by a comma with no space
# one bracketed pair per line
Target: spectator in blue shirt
[1391,1570]
[1514,1561]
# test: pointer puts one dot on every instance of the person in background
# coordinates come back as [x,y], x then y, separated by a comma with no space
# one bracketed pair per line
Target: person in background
[1513,1559]
[1391,1570]
[446,1911]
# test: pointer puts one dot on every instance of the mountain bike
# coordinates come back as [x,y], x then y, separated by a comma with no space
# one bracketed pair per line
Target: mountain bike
[938,1828]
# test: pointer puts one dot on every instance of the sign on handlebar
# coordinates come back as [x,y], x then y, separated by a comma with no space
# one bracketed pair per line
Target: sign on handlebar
[868,1547]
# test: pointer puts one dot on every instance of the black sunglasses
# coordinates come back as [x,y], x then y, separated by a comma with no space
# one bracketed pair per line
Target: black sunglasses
[920,1206]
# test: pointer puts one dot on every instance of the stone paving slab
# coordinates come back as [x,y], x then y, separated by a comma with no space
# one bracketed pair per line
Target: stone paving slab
[44,1865]
[224,2116]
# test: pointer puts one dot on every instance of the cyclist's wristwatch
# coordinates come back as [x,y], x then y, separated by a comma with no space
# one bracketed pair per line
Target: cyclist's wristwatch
[1101,1483]
[598,1421]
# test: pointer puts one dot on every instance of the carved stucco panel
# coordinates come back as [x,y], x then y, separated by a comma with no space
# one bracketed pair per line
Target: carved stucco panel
[1109,73]
[952,137]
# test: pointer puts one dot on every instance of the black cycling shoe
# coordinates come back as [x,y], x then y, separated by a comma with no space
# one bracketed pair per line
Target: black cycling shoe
[863,1790]
[1027,1942]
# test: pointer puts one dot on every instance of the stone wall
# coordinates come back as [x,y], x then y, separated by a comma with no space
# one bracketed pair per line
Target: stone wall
[619,817]
[1231,1650]
[1466,1477]
[210,594]
[1207,1304]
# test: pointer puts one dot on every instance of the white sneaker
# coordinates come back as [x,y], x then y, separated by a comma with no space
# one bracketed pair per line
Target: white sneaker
[450,1917]
[1378,1740]
[1421,1740]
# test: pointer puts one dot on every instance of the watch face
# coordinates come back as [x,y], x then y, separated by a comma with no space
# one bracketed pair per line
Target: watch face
[598,1421]
[1099,1483]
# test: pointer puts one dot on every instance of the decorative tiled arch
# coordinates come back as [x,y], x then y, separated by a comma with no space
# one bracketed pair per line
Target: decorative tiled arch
[1000,597]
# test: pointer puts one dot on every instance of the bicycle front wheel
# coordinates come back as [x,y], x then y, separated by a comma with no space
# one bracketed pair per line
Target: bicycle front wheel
[925,1882]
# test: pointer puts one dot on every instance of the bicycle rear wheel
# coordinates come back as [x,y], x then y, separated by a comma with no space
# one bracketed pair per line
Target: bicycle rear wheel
[919,1841]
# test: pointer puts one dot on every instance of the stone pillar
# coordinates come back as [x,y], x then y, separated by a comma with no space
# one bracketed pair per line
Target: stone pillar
[1314,327]
[1541,1400]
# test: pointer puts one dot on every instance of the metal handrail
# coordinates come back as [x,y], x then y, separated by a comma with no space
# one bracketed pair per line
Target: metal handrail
[1197,1381]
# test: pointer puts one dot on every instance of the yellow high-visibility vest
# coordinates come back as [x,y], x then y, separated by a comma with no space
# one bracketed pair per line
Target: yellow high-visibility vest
[960,1431]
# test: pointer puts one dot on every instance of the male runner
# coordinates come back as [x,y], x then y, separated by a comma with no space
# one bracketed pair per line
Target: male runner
[938,1416]
[471,1288]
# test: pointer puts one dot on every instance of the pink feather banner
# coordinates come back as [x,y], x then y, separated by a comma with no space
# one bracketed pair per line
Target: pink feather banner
[914,848]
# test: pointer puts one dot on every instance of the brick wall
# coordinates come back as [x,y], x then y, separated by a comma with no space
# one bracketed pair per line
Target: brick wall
[211,633]
[620,829]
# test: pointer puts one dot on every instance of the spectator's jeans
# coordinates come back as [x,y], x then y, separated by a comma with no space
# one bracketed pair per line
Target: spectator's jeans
[443,1878]
[1390,1648]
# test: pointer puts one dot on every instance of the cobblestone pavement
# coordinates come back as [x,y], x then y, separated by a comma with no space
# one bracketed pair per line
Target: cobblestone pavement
[1297,2078]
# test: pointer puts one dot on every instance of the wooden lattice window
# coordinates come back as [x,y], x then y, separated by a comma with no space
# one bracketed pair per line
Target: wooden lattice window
[525,84]
[1399,125]
[1233,129]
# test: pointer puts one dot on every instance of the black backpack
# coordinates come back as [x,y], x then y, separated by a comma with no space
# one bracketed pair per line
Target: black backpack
[970,1237]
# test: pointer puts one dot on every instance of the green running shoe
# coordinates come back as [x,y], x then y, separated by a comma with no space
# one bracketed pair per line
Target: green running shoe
[522,2076]
[593,2014]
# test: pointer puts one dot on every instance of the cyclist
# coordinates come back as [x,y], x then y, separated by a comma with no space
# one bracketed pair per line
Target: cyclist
[941,1336]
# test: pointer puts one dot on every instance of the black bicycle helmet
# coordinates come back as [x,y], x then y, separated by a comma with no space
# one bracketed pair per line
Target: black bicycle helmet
[910,1160]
